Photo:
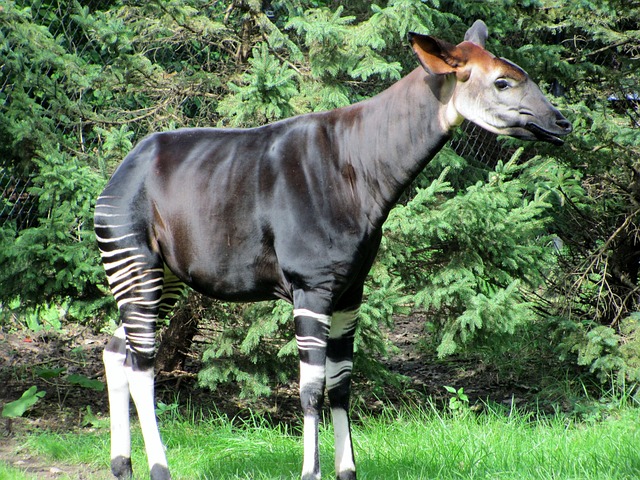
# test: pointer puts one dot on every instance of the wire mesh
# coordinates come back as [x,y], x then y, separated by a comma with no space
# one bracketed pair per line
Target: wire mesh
[19,206]
[478,145]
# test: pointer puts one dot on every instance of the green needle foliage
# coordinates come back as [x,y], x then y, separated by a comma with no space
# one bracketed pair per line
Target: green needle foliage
[266,93]
[469,254]
[542,241]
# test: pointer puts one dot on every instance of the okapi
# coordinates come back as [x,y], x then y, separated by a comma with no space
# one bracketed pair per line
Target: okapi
[290,210]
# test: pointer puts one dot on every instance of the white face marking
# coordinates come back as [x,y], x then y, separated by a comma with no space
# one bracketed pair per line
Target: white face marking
[449,117]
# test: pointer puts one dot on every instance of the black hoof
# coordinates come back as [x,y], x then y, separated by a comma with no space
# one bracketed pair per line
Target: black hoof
[346,475]
[121,468]
[160,472]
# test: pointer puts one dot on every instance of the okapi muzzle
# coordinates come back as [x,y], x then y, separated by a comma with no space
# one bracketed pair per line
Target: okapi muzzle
[291,210]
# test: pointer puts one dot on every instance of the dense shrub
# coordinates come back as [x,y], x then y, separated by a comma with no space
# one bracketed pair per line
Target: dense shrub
[547,236]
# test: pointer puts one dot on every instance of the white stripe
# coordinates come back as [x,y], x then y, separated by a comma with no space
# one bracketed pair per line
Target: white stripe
[150,303]
[311,374]
[143,317]
[99,214]
[123,274]
[343,322]
[310,343]
[142,341]
[338,371]
[140,301]
[105,254]
[303,312]
[114,225]
[111,240]
[116,289]
[114,278]
[153,289]
[126,300]
[111,265]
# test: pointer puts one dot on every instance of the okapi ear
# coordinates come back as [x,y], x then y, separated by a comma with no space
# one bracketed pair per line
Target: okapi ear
[436,56]
[477,34]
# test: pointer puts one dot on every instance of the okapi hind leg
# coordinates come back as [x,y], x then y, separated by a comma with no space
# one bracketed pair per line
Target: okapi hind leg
[130,371]
[118,388]
[125,377]
[139,320]
[141,376]
[136,277]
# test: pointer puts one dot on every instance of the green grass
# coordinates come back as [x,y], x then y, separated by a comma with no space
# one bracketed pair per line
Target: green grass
[397,445]
[7,473]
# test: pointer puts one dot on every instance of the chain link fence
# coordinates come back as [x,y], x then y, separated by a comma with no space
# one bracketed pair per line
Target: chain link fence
[473,143]
[17,204]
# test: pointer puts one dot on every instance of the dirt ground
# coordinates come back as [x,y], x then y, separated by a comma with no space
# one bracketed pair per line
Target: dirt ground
[26,360]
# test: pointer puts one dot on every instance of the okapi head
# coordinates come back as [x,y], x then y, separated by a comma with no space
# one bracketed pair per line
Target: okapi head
[491,92]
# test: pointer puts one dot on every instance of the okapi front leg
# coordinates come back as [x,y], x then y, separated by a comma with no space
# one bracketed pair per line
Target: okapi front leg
[339,367]
[312,330]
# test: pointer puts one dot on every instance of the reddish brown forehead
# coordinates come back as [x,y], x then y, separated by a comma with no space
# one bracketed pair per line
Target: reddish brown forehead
[479,57]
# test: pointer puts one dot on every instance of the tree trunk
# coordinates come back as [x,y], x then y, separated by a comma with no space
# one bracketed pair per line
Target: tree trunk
[177,339]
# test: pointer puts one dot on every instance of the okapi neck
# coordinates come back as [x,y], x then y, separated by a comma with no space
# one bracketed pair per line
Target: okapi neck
[391,137]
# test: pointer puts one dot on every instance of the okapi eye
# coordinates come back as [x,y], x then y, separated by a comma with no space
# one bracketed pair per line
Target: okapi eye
[501,84]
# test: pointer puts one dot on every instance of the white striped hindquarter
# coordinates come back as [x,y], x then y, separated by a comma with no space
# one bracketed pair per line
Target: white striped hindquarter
[143,287]
[144,290]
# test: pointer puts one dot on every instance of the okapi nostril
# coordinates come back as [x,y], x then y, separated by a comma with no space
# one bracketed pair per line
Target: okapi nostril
[565,125]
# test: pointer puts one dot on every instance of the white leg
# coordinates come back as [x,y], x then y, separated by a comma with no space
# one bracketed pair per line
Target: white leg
[312,331]
[142,391]
[118,389]
[339,367]
[345,465]
[311,461]
[311,382]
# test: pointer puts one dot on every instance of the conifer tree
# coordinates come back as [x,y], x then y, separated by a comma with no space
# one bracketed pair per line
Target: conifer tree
[547,238]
